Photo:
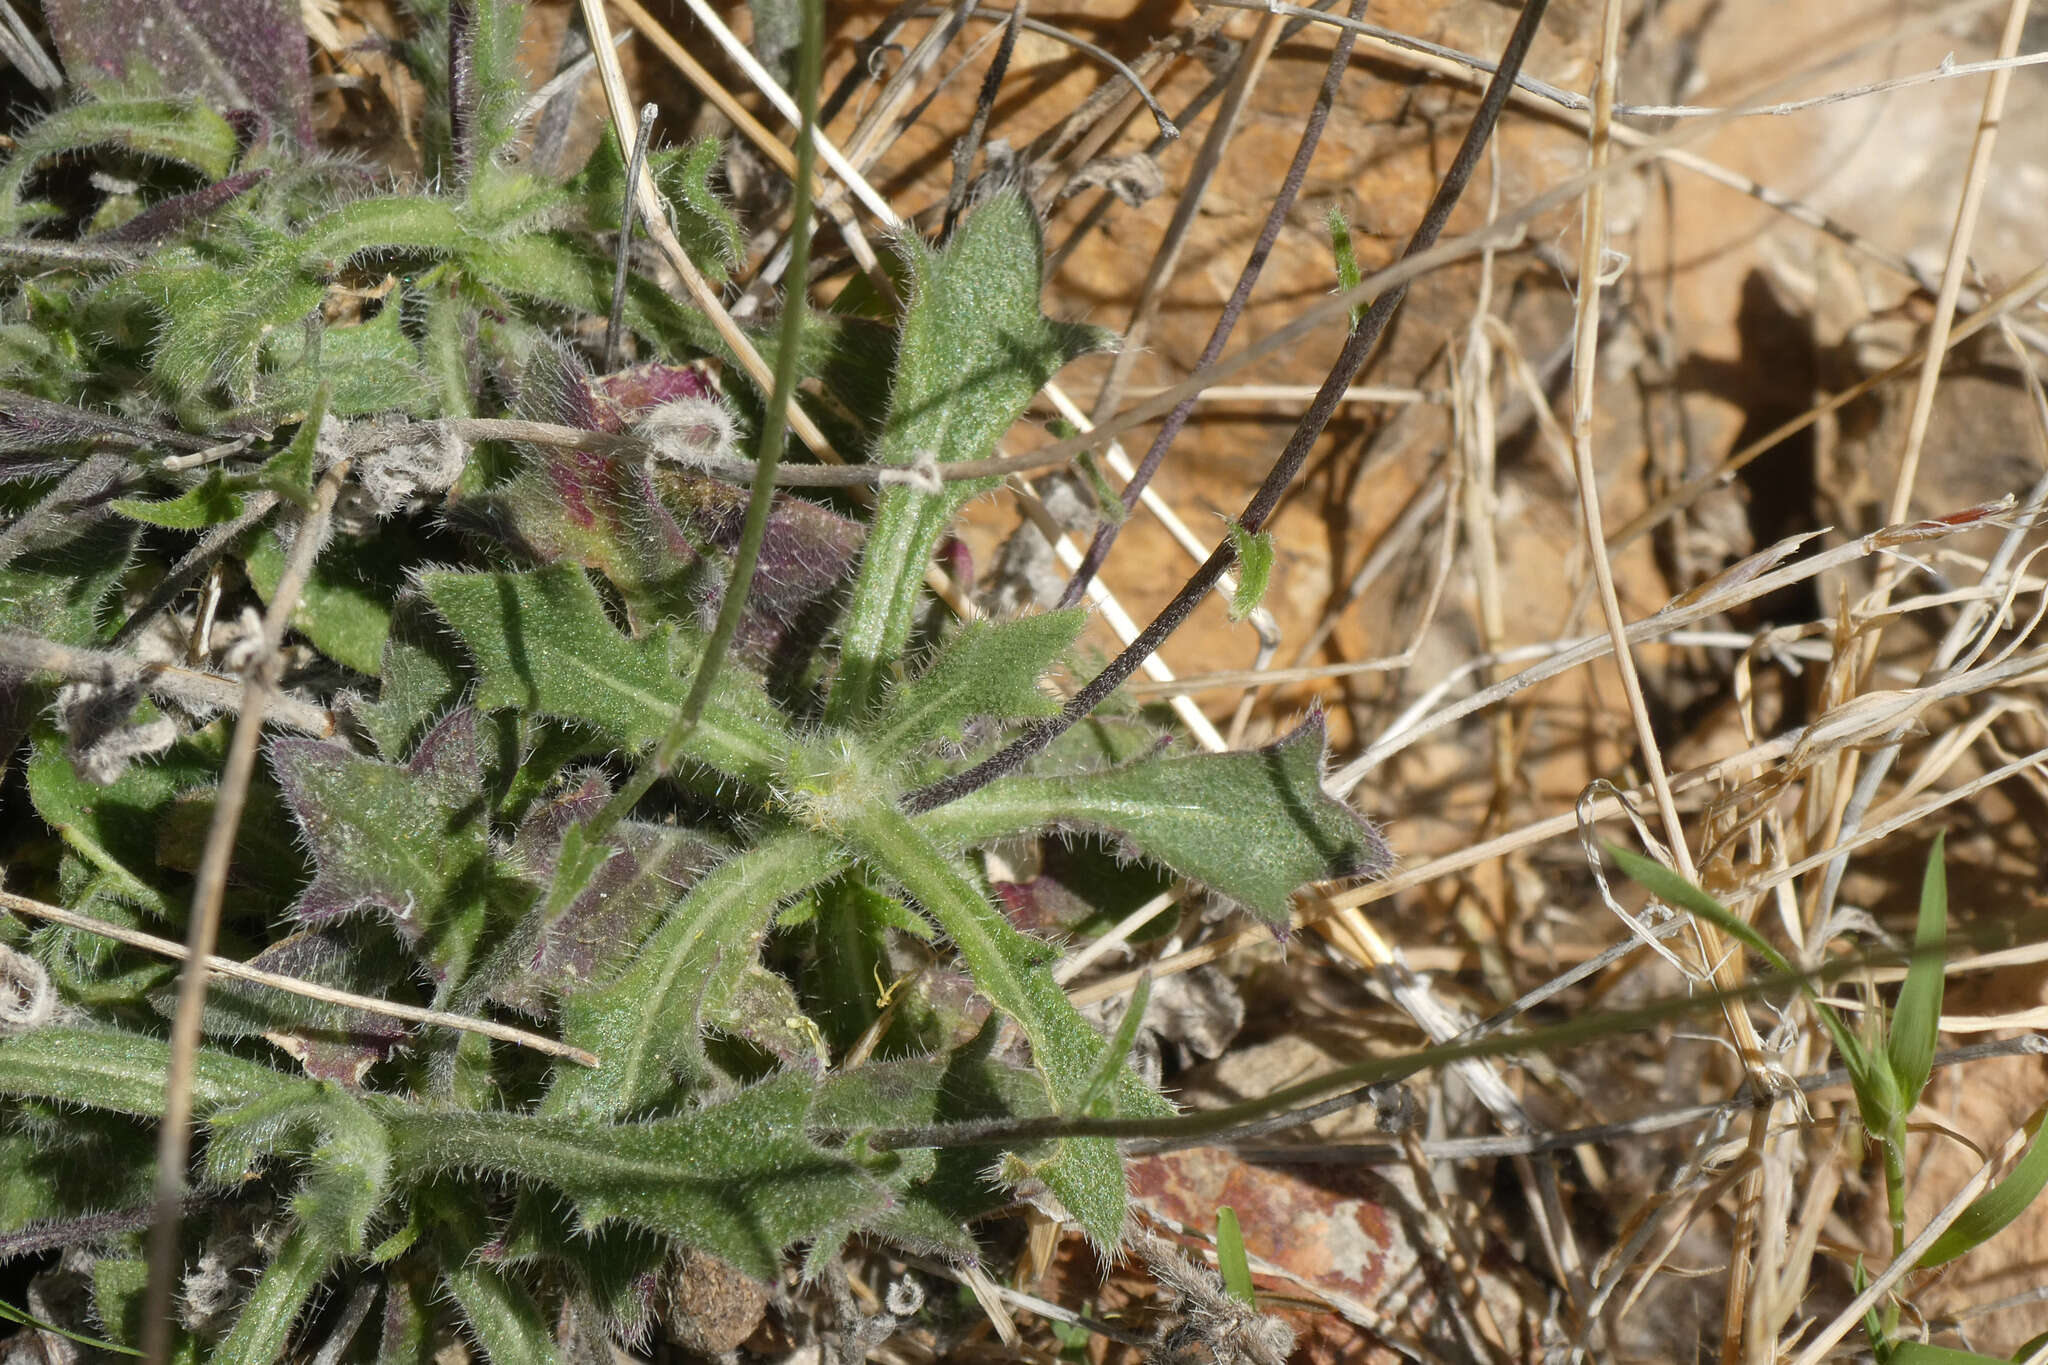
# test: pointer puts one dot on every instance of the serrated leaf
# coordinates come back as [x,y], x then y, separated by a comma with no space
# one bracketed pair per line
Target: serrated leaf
[740,1179]
[542,643]
[973,350]
[209,502]
[599,932]
[1915,1027]
[644,1025]
[233,54]
[412,840]
[1992,1211]
[1254,825]
[420,677]
[988,669]
[702,222]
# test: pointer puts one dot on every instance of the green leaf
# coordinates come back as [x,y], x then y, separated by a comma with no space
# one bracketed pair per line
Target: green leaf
[1254,570]
[345,607]
[58,590]
[508,1324]
[412,840]
[1348,274]
[644,1025]
[344,1146]
[1990,1212]
[739,1179]
[558,269]
[173,130]
[1013,972]
[123,1072]
[988,669]
[1230,1258]
[1253,825]
[973,350]
[116,828]
[209,502]
[289,473]
[1115,1053]
[1675,890]
[1920,1353]
[1916,1021]
[420,677]
[265,1326]
[542,643]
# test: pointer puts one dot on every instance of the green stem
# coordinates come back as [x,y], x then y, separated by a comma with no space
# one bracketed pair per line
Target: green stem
[774,432]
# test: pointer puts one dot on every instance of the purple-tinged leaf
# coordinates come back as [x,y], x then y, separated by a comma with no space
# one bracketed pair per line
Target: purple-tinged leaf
[411,840]
[332,1042]
[234,54]
[649,527]
[651,866]
[168,217]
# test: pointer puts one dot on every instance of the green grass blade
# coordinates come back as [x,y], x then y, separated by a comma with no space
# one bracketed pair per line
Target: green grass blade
[1990,1212]
[1916,1021]
[1230,1257]
[1117,1049]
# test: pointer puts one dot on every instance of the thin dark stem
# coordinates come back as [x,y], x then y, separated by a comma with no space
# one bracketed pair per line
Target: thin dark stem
[1537,1144]
[1219,336]
[615,326]
[1357,349]
[984,104]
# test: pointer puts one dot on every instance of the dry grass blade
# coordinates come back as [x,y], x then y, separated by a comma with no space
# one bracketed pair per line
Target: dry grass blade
[291,985]
[174,1132]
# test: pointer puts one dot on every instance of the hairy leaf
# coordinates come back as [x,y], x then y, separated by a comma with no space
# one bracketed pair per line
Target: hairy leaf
[644,1025]
[1253,825]
[412,840]
[206,503]
[587,944]
[1086,1174]
[170,130]
[123,1072]
[986,670]
[281,1294]
[542,643]
[341,1141]
[233,54]
[332,1042]
[740,1179]
[974,349]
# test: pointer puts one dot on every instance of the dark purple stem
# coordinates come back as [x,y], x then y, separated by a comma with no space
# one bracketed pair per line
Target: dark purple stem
[1283,204]
[1357,349]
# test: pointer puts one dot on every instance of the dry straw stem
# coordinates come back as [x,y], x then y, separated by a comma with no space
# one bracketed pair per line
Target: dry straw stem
[195,689]
[174,1133]
[242,971]
[1336,307]
[1126,628]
